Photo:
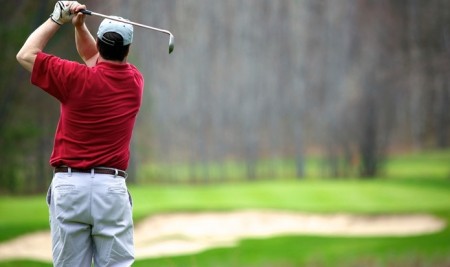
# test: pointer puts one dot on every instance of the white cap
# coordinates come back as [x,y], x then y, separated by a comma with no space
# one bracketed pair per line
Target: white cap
[125,30]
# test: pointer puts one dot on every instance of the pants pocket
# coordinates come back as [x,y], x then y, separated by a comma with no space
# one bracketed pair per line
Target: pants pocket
[120,189]
[49,195]
[130,198]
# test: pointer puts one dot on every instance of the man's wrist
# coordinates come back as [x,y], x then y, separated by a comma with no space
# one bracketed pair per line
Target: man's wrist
[80,26]
[57,23]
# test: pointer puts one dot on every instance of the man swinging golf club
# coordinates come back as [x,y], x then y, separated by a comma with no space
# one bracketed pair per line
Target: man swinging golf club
[90,208]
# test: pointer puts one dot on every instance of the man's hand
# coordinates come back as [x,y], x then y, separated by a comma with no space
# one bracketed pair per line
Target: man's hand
[79,18]
[64,11]
[85,42]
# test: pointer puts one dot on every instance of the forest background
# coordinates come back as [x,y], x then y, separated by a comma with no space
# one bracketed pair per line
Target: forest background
[253,90]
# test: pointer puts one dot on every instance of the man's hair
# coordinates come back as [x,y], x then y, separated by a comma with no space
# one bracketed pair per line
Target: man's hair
[113,50]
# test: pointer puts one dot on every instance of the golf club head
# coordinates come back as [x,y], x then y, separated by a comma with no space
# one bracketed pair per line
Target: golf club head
[171,43]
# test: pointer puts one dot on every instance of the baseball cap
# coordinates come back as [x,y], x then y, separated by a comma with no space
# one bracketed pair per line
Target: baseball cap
[125,30]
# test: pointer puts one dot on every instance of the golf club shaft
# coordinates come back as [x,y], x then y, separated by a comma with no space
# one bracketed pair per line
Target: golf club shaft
[171,38]
[88,12]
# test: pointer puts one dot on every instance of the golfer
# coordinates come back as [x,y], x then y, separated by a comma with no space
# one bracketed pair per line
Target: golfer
[90,207]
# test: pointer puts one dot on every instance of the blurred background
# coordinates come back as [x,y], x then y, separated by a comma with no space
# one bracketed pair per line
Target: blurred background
[255,89]
[316,106]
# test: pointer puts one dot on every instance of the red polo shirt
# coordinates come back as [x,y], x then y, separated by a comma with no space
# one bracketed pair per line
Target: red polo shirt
[98,110]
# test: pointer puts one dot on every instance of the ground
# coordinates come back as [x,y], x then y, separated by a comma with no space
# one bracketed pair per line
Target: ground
[185,233]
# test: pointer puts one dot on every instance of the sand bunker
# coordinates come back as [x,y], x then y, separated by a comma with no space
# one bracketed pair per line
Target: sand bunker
[186,233]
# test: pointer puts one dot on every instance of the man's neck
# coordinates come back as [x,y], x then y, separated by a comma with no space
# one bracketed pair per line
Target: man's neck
[100,59]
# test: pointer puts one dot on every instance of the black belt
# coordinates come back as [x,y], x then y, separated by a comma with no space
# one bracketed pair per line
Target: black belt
[115,172]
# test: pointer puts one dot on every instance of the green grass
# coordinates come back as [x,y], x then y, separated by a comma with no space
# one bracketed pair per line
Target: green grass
[24,263]
[412,184]
[424,165]
[19,215]
[326,196]
[428,165]
[431,250]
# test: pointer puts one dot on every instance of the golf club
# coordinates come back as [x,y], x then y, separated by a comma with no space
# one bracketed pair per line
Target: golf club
[171,37]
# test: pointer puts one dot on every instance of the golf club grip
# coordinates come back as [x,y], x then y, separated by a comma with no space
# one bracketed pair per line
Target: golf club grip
[86,12]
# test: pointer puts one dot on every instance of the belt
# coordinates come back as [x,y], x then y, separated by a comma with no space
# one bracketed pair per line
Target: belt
[99,170]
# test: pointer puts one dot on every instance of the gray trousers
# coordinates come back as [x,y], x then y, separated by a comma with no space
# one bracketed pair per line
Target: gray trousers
[90,220]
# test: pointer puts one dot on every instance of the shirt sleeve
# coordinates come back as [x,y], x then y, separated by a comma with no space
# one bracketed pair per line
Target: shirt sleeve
[54,75]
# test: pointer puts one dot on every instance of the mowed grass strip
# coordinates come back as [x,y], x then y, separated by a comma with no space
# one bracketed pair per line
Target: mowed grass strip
[327,196]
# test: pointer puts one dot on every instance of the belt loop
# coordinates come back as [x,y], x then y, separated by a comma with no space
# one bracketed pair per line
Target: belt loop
[92,173]
[69,170]
[116,172]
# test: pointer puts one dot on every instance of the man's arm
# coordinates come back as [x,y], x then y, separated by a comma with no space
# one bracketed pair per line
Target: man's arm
[85,42]
[36,43]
